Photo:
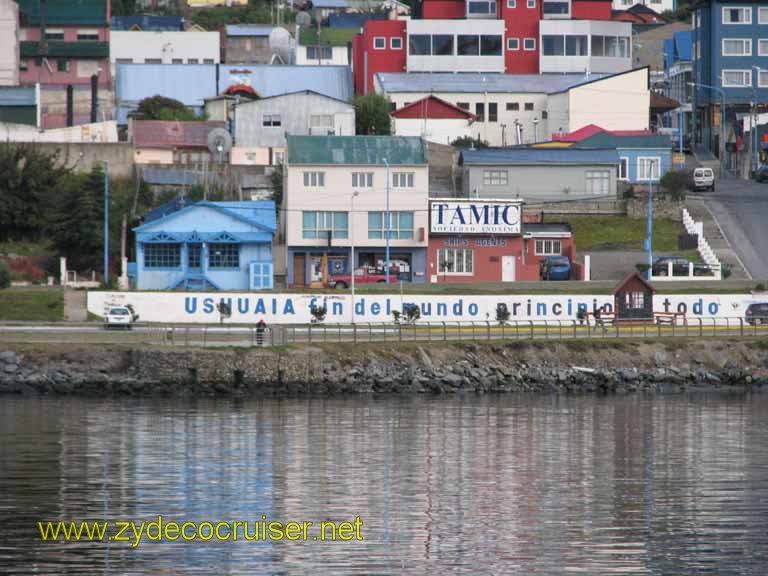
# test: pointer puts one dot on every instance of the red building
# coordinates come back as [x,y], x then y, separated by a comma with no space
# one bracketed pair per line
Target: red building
[488,241]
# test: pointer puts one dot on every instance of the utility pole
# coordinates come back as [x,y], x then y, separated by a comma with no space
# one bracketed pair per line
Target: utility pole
[106,223]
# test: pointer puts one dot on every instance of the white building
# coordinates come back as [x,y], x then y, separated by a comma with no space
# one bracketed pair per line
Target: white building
[335,195]
[433,119]
[526,108]
[434,46]
[134,47]
[9,43]
[585,46]
[658,6]
[331,46]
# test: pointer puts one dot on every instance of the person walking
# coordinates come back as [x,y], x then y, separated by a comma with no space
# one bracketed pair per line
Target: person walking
[260,328]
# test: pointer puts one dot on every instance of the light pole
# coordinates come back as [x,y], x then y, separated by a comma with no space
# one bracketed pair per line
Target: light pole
[535,130]
[354,195]
[386,272]
[755,155]
[722,122]
[106,223]
[649,239]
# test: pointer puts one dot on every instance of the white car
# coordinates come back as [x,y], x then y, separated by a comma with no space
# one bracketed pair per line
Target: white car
[119,317]
[703,178]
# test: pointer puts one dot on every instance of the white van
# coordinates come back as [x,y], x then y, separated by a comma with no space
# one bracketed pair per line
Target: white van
[703,179]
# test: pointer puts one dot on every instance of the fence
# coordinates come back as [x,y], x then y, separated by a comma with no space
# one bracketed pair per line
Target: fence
[280,335]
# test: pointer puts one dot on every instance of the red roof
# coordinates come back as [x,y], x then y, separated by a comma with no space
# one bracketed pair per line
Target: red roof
[432,107]
[591,129]
[172,134]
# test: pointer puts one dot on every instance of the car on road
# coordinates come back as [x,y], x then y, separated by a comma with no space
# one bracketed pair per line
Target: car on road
[680,266]
[120,317]
[761,174]
[555,268]
[757,313]
[702,179]
[363,276]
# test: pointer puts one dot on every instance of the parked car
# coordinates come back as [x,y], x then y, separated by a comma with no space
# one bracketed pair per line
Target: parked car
[120,317]
[761,174]
[757,313]
[679,266]
[702,179]
[363,276]
[555,268]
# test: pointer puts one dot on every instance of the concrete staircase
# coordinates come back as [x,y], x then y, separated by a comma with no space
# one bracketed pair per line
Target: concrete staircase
[444,176]
[714,236]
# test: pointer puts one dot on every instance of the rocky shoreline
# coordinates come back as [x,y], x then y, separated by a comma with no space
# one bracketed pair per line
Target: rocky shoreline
[562,367]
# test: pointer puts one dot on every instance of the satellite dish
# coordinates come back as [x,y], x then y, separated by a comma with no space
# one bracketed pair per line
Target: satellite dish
[219,144]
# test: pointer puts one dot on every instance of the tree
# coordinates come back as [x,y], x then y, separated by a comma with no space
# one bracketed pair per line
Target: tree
[5,275]
[162,108]
[469,142]
[675,183]
[372,115]
[276,180]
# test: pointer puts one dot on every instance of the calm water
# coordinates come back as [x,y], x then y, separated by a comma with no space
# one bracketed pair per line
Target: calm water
[495,485]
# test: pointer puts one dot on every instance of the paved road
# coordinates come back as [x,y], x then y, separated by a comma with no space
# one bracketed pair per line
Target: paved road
[741,210]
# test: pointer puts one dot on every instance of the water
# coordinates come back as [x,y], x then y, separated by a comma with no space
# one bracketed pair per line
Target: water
[673,484]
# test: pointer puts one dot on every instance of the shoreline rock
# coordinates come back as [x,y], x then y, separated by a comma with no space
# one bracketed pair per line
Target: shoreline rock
[514,367]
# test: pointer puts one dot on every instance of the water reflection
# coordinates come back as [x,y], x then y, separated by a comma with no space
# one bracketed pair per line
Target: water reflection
[492,485]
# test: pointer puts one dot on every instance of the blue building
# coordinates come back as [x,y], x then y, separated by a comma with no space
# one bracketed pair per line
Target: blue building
[642,157]
[206,246]
[678,73]
[730,53]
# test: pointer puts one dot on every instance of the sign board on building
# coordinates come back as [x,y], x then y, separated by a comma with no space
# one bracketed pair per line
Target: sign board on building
[475,217]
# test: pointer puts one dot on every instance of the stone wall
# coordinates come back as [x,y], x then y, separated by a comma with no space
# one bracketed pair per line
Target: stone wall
[81,157]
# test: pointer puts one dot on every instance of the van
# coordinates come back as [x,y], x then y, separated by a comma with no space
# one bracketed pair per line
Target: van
[703,179]
[757,313]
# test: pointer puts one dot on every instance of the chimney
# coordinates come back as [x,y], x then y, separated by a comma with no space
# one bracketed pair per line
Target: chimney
[70,105]
[94,98]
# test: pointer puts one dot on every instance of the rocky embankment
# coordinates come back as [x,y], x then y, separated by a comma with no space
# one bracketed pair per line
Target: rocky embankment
[573,367]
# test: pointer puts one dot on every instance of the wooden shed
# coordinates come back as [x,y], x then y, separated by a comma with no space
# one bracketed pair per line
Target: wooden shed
[633,299]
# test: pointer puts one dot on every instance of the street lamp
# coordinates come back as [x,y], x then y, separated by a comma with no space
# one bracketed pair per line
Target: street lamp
[386,272]
[106,223]
[354,195]
[535,130]
[722,122]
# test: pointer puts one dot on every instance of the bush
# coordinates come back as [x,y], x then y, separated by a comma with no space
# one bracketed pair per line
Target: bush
[725,271]
[642,267]
[760,287]
[469,142]
[675,183]
[26,268]
[5,276]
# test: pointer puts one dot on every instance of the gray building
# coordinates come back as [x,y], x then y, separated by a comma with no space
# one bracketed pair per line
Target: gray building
[539,174]
[264,123]
[257,44]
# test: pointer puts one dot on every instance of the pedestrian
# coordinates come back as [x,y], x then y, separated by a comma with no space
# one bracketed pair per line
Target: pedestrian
[260,327]
[581,314]
[598,318]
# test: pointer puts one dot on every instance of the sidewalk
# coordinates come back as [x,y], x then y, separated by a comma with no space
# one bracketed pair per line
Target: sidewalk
[75,307]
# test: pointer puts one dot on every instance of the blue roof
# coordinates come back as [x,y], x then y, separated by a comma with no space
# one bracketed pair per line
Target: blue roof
[164,209]
[353,19]
[148,23]
[333,81]
[249,29]
[491,83]
[260,214]
[17,96]
[525,156]
[624,141]
[669,52]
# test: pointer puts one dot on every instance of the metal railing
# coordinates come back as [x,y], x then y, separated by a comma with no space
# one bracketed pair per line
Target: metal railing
[234,335]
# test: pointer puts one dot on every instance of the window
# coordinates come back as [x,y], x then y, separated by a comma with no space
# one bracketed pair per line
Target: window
[511,3]
[162,255]
[442,45]
[610,46]
[513,106]
[271,120]
[467,45]
[513,43]
[648,168]
[463,105]
[495,177]
[193,255]
[450,261]
[562,7]
[529,44]
[529,106]
[419,45]
[598,182]
[635,300]
[314,179]
[548,248]
[762,15]
[124,60]
[279,158]
[362,179]
[23,66]
[402,180]
[493,112]
[87,34]
[480,112]
[192,61]
[54,34]
[224,255]
[400,225]
[208,61]
[742,15]
[321,123]
[62,65]
[379,43]
[544,114]
[261,275]
[762,47]
[762,79]
[490,45]
[319,52]
[553,45]
[173,61]
[153,61]
[575,45]
[737,78]
[396,43]
[623,168]
[482,7]
[531,4]
[737,47]
[316,225]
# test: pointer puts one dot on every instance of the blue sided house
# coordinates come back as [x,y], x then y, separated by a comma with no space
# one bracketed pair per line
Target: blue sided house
[206,246]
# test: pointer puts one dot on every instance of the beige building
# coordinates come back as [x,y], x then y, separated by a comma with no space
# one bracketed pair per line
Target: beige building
[9,43]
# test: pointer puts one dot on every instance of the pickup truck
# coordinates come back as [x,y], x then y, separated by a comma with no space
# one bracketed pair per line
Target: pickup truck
[362,276]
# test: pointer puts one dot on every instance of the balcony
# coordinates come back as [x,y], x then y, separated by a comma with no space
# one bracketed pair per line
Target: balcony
[594,46]
[455,46]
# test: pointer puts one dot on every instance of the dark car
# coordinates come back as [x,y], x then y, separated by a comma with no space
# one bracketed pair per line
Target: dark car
[757,313]
[761,174]
[679,266]
[556,268]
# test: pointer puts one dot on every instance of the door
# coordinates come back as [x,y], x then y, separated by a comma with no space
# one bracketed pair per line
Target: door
[299,270]
[507,268]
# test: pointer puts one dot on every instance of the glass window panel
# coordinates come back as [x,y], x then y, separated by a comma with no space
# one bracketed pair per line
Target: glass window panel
[490,45]
[442,45]
[597,46]
[419,45]
[575,45]
[552,45]
[224,255]
[468,45]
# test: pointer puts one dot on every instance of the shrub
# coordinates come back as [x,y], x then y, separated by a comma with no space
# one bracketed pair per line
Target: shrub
[26,269]
[469,142]
[642,267]
[411,312]
[675,183]
[725,271]
[5,276]
[760,287]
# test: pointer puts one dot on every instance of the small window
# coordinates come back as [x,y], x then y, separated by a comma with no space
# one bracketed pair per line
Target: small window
[419,44]
[762,79]
[459,262]
[271,120]
[513,43]
[511,3]
[23,66]
[741,15]
[463,105]
[737,47]
[529,106]
[648,168]
[177,61]
[54,34]
[762,47]
[495,177]
[208,61]
[192,61]
[762,15]
[88,34]
[396,43]
[623,168]
[548,248]
[544,114]
[127,61]
[493,112]
[531,4]
[402,180]
[224,255]
[635,300]
[480,111]
[737,78]
[63,65]
[314,179]
[379,43]
[362,179]
[152,61]
[529,44]
[162,255]
[513,106]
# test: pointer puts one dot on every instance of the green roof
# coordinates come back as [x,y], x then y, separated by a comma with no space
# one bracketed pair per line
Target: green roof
[64,12]
[605,139]
[328,36]
[356,150]
[61,49]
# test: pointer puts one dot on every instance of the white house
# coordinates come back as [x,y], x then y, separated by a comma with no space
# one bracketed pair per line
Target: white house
[329,46]
[432,119]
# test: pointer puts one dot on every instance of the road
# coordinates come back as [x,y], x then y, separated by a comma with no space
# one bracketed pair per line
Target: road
[741,209]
